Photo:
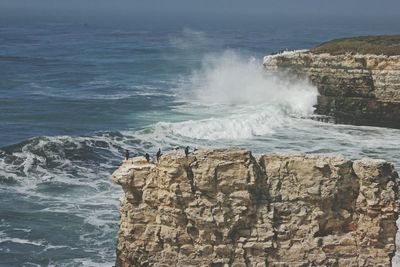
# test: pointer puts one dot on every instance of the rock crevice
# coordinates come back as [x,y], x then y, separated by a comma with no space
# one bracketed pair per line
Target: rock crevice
[227,208]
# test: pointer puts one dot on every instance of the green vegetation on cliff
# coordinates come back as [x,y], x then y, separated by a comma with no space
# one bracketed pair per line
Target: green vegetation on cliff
[378,45]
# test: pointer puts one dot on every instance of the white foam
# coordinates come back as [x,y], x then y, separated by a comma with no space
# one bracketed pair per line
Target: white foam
[244,101]
[285,53]
[22,241]
[90,263]
[23,230]
[232,79]
[242,126]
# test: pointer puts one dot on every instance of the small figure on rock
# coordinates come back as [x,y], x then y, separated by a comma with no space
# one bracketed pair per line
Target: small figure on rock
[127,154]
[147,157]
[195,149]
[158,155]
[187,151]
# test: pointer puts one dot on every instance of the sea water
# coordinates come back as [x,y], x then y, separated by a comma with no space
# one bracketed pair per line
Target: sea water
[74,97]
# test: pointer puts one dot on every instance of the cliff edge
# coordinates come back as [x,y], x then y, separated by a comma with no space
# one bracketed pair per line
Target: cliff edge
[227,208]
[358,79]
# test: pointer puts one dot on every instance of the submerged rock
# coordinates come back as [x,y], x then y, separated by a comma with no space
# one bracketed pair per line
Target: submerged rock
[227,208]
[359,89]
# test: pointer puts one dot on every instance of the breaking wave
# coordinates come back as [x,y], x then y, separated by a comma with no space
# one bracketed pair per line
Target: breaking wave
[65,180]
[232,79]
[241,126]
[245,100]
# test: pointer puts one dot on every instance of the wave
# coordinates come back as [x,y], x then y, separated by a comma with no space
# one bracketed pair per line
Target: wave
[62,178]
[229,97]
[233,97]
[242,126]
[40,243]
[233,79]
[98,90]
[49,156]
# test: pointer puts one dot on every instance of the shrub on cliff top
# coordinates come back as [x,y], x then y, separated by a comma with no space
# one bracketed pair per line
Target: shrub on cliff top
[379,45]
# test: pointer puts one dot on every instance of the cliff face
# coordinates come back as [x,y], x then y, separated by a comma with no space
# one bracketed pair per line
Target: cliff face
[355,89]
[225,208]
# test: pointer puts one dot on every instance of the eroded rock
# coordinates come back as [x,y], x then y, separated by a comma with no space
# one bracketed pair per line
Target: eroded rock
[226,208]
[354,89]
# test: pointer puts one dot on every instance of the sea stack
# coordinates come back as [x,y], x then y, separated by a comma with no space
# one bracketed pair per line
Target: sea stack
[227,207]
[358,78]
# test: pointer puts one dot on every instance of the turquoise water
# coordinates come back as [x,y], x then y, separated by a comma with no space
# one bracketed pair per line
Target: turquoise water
[75,96]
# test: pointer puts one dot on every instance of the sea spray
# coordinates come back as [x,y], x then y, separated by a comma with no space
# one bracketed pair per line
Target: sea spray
[230,78]
[245,99]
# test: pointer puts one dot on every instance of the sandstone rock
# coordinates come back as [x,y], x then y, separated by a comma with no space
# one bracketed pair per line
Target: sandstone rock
[225,208]
[354,89]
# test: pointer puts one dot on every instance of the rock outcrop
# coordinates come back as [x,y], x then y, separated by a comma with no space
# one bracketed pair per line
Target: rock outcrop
[227,208]
[354,89]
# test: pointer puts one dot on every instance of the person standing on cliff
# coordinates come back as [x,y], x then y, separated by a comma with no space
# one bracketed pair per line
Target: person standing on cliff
[127,154]
[187,151]
[158,155]
[147,157]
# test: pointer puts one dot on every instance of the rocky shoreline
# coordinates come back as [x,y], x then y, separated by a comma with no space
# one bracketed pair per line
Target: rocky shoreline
[358,89]
[225,207]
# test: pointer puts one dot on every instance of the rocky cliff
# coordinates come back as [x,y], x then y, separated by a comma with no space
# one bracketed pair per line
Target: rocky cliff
[360,89]
[228,208]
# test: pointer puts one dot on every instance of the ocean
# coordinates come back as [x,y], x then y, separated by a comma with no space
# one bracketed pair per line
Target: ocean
[74,96]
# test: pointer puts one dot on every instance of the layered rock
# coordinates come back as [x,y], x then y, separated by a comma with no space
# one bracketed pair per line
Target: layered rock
[227,208]
[355,89]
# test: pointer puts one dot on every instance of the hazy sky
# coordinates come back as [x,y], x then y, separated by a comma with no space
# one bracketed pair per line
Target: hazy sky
[201,14]
[201,7]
